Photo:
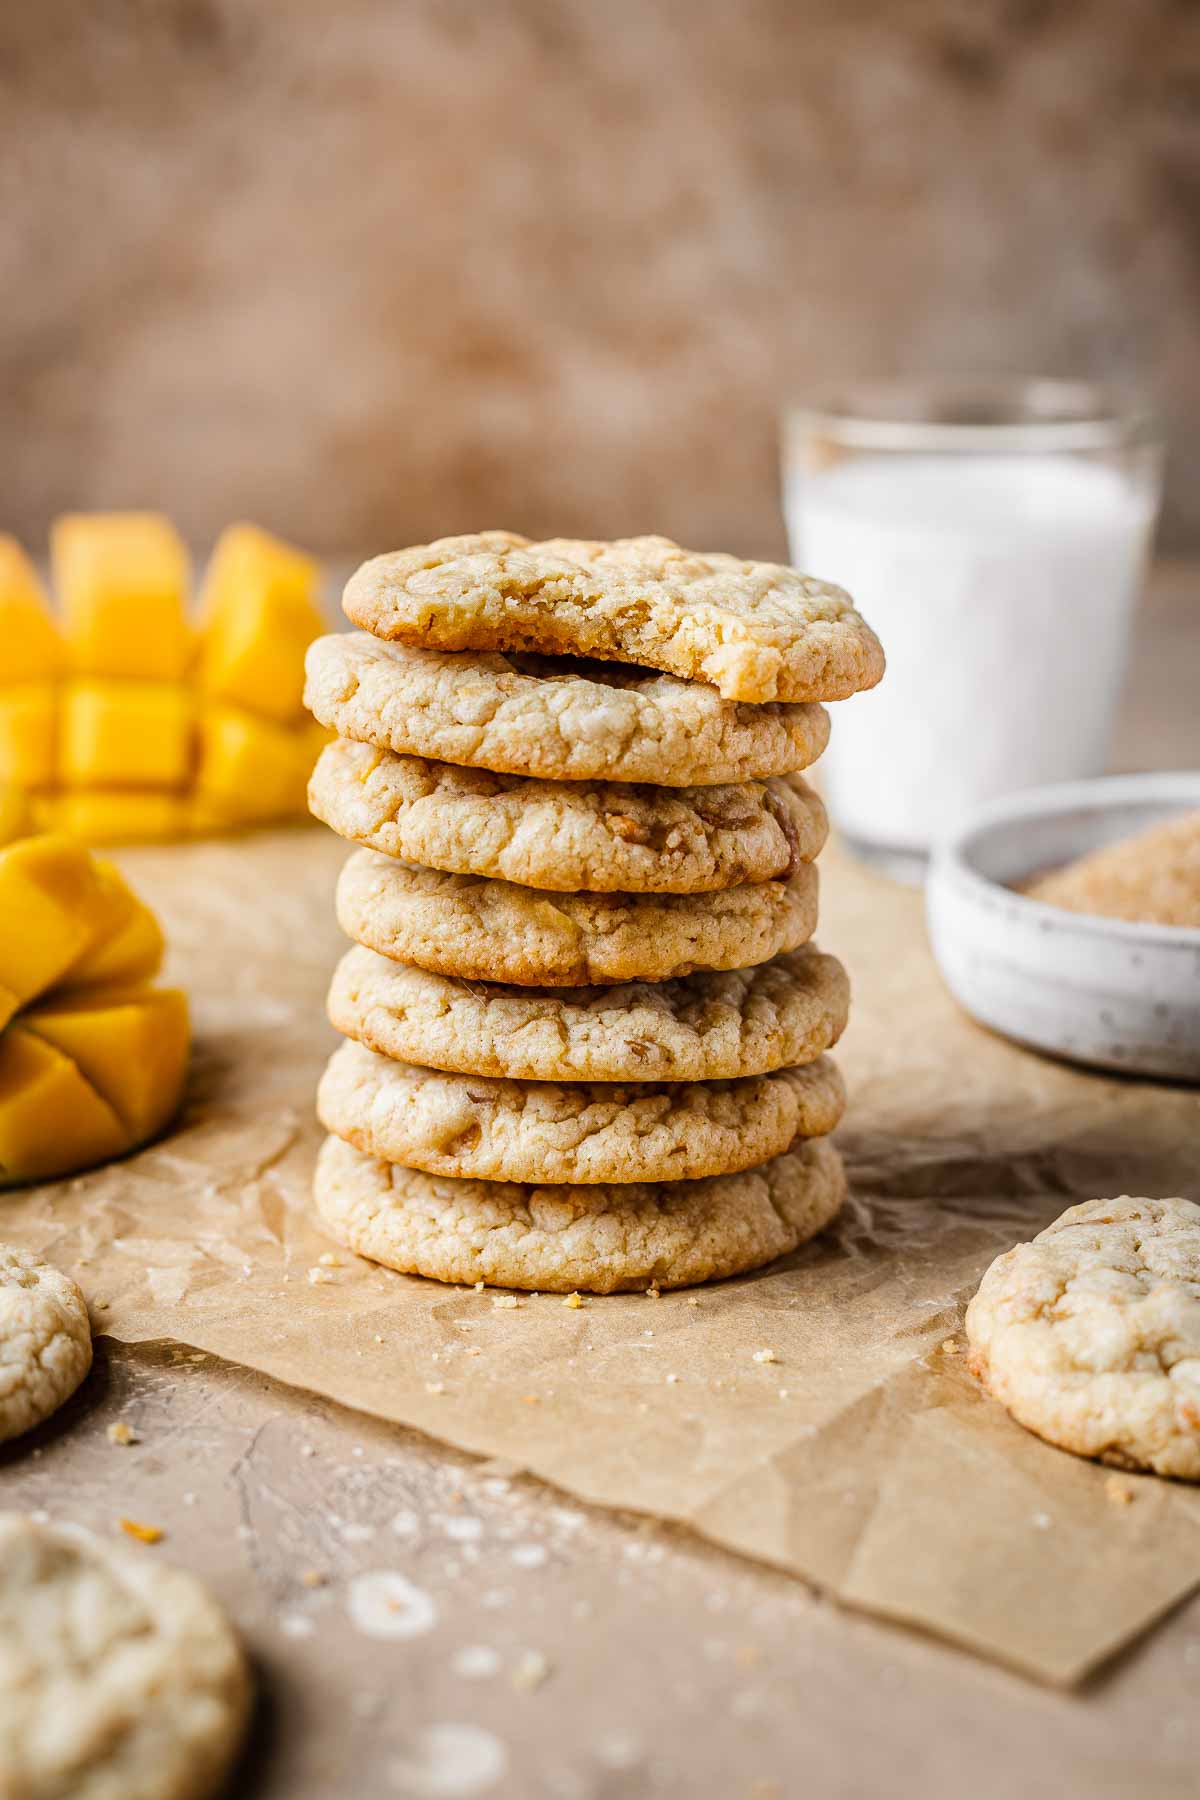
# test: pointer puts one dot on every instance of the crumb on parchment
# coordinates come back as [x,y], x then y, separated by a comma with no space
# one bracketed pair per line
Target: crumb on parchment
[145,1534]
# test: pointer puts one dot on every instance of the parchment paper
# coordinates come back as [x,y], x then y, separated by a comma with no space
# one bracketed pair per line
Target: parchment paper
[864,1458]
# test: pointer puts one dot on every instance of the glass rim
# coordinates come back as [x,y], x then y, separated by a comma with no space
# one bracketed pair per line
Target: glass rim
[977,412]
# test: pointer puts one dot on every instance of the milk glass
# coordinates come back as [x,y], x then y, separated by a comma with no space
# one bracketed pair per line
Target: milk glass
[995,534]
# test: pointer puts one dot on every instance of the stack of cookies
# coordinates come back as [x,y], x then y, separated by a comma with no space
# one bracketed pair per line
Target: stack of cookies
[586,1026]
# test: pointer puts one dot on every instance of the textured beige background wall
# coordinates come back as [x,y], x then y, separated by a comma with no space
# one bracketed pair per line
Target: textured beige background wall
[371,271]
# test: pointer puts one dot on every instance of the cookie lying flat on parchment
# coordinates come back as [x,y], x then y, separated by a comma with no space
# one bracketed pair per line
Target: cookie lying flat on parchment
[45,1340]
[120,1678]
[551,717]
[558,1239]
[486,930]
[563,835]
[1090,1335]
[754,631]
[485,1128]
[710,1026]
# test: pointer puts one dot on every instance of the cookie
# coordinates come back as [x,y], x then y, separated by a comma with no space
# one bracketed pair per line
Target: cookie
[479,1127]
[45,1340]
[562,835]
[1090,1335]
[559,1239]
[754,631]
[120,1678]
[481,930]
[702,1027]
[552,718]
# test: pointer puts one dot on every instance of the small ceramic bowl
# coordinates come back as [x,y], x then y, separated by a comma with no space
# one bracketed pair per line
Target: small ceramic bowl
[1099,991]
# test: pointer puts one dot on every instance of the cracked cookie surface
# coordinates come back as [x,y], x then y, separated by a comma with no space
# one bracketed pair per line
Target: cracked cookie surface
[486,1128]
[702,1027]
[566,836]
[602,1240]
[120,1678]
[1090,1335]
[45,1340]
[755,631]
[481,929]
[553,718]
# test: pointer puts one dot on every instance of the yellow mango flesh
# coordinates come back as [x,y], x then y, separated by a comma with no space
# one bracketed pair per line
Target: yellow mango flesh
[130,1043]
[16,819]
[52,1120]
[245,558]
[131,949]
[122,579]
[251,770]
[53,905]
[126,734]
[261,614]
[115,816]
[28,716]
[30,647]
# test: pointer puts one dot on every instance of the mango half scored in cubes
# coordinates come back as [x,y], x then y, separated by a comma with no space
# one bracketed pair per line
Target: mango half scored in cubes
[92,1058]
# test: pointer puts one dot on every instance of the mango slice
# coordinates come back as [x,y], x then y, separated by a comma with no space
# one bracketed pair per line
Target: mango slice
[122,579]
[28,714]
[130,1043]
[114,815]
[260,615]
[30,647]
[250,770]
[52,1120]
[53,905]
[132,947]
[16,819]
[126,734]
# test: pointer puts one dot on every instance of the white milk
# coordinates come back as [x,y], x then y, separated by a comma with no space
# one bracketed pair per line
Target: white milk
[1002,588]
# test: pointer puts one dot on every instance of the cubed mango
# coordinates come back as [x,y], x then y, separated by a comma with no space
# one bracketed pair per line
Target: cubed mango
[131,949]
[122,580]
[53,905]
[30,647]
[28,720]
[125,734]
[16,817]
[244,558]
[250,769]
[261,616]
[130,1043]
[115,815]
[52,1120]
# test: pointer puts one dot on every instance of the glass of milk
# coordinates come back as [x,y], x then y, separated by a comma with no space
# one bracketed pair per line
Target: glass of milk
[994,532]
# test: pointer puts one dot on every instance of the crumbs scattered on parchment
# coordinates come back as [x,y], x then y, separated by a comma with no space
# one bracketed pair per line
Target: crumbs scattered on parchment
[121,1433]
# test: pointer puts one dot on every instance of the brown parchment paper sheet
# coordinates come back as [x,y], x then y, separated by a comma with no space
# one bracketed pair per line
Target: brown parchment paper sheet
[864,1458]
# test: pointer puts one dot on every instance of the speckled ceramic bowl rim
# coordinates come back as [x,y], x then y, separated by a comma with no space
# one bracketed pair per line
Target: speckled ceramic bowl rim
[952,858]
